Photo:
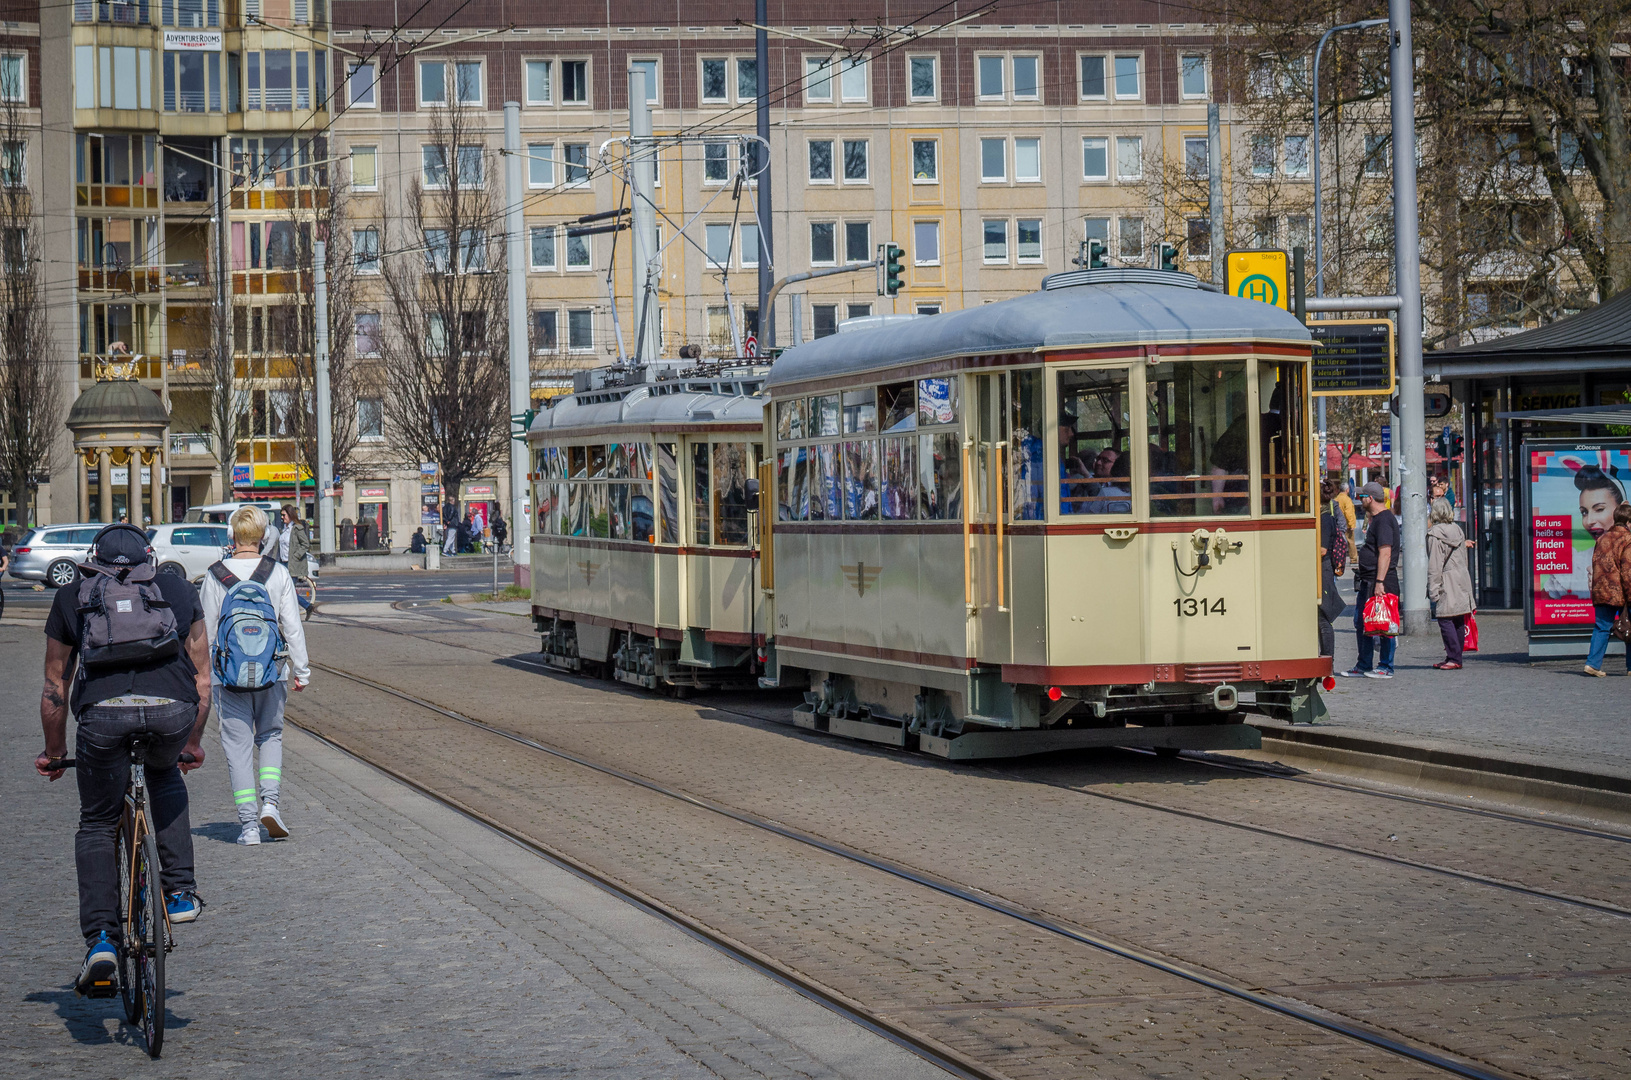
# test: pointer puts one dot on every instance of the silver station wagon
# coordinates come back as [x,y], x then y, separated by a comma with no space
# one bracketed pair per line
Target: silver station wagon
[49,554]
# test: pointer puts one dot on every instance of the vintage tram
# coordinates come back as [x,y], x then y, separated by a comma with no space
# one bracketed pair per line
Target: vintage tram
[1081,517]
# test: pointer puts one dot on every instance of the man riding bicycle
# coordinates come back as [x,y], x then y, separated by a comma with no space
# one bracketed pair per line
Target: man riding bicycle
[143,669]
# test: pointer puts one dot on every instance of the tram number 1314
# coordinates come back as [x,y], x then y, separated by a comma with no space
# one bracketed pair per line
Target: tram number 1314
[1187,606]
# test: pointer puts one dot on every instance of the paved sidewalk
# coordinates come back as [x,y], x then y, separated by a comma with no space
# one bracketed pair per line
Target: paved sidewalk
[388,937]
[1501,703]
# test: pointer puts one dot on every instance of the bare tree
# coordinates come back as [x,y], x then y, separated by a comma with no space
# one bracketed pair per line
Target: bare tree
[444,353]
[31,398]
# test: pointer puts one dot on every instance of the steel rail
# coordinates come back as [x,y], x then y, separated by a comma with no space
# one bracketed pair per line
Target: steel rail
[1290,1009]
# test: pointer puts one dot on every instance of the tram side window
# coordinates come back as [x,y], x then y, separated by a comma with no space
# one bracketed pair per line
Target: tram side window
[899,406]
[1095,466]
[1282,393]
[1025,469]
[825,416]
[792,483]
[668,491]
[730,477]
[826,481]
[860,411]
[861,479]
[642,523]
[936,401]
[701,519]
[1199,438]
[790,419]
[900,477]
[940,475]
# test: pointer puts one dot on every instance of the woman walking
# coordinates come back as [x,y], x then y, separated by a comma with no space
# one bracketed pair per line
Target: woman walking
[1333,564]
[1610,587]
[1449,583]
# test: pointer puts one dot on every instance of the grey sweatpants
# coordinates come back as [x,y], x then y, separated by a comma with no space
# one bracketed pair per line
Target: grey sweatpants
[249,720]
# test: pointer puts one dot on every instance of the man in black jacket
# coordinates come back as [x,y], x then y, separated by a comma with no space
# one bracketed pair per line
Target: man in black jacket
[1378,573]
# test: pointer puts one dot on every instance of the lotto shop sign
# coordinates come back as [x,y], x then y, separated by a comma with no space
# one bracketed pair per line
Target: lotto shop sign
[1574,489]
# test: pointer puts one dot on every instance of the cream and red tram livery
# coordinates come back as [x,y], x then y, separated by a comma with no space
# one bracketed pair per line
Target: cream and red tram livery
[1081,517]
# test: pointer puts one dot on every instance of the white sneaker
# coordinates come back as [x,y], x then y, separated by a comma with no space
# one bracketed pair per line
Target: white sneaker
[251,833]
[273,821]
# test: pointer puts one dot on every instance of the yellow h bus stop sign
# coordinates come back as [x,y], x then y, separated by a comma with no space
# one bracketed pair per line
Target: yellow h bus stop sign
[1260,275]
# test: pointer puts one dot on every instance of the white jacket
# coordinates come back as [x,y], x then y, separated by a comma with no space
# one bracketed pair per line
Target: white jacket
[280,587]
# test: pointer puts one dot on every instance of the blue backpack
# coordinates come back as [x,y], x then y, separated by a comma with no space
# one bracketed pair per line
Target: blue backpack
[248,643]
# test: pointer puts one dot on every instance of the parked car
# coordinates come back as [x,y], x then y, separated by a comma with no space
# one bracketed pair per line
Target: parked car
[52,553]
[219,513]
[215,516]
[187,549]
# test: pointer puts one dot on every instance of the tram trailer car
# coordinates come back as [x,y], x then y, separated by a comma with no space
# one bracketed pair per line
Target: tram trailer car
[1082,517]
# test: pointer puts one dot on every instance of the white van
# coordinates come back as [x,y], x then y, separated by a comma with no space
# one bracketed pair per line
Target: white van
[219,513]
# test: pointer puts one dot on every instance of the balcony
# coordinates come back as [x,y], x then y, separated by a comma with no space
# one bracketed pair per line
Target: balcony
[121,12]
[191,444]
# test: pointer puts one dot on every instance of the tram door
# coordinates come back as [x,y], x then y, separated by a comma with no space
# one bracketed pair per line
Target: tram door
[990,465]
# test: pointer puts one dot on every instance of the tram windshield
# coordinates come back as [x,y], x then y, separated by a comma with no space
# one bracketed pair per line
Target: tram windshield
[1095,466]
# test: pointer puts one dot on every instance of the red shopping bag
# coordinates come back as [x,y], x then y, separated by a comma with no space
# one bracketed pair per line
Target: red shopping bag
[1469,633]
[1382,615]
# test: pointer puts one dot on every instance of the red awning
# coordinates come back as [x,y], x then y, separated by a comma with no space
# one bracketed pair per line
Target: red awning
[1360,461]
[1434,457]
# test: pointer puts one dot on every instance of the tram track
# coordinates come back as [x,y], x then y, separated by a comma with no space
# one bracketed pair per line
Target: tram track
[1326,1020]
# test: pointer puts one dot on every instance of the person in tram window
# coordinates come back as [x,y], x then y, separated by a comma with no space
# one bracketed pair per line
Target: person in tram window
[1113,494]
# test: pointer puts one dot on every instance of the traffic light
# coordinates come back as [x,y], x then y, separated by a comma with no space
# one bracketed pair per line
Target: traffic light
[1458,445]
[1095,254]
[1169,257]
[1443,446]
[894,273]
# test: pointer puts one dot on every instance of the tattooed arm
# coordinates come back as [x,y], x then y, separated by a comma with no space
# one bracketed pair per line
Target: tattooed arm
[59,658]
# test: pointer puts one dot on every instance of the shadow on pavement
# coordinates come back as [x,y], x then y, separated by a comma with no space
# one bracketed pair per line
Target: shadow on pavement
[86,1019]
[224,831]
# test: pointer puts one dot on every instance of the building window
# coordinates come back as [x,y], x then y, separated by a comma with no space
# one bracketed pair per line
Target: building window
[924,77]
[579,256]
[470,166]
[1132,238]
[857,241]
[714,87]
[1028,240]
[577,162]
[989,73]
[472,250]
[540,91]
[1028,160]
[365,250]
[1265,232]
[1095,159]
[437,78]
[925,161]
[1127,88]
[1376,155]
[1197,156]
[540,164]
[823,320]
[1129,157]
[926,243]
[370,418]
[1263,155]
[1296,155]
[543,247]
[823,250]
[1298,234]
[716,162]
[545,338]
[574,82]
[434,162]
[993,160]
[857,311]
[852,78]
[927,309]
[1096,228]
[367,325]
[817,80]
[580,329]
[364,170]
[361,90]
[996,240]
[821,161]
[1027,85]
[13,163]
[717,242]
[1193,76]
[856,169]
[653,87]
[750,246]
[747,78]
[1092,77]
[1199,238]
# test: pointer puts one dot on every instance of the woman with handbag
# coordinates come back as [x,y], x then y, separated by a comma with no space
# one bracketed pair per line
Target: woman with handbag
[1449,582]
[1610,589]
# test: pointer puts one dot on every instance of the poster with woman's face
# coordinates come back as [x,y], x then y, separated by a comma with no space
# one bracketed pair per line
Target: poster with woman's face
[1573,491]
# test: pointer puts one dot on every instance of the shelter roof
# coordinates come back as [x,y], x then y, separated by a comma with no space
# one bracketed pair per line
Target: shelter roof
[118,403]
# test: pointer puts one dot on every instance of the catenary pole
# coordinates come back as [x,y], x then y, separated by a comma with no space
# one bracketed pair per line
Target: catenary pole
[1410,448]
[520,370]
[647,343]
[767,268]
[325,405]
[1214,161]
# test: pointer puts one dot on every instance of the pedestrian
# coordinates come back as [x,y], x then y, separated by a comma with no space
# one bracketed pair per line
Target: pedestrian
[294,548]
[5,564]
[1333,564]
[417,544]
[1440,488]
[272,543]
[500,530]
[450,529]
[137,638]
[1610,587]
[1377,574]
[249,696]
[1449,582]
[1345,506]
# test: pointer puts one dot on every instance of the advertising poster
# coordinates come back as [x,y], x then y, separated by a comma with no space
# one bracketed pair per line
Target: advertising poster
[1573,491]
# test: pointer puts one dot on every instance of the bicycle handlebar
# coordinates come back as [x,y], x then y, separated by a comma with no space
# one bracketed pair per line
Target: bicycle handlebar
[68,763]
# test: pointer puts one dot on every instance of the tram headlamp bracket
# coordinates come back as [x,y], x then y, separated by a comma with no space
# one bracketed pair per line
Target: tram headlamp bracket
[1222,545]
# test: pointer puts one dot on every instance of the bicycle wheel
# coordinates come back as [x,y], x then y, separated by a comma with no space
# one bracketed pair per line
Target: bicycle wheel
[129,991]
[150,936]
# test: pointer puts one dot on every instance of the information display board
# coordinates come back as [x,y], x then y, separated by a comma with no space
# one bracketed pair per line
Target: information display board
[1352,356]
[1573,489]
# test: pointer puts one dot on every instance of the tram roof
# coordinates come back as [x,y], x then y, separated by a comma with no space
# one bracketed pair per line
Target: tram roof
[1081,309]
[649,405]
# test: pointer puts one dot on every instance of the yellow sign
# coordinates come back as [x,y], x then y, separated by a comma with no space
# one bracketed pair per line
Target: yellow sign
[281,474]
[1260,275]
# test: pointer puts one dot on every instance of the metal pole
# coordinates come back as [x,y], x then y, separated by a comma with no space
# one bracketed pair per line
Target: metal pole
[1319,214]
[1410,447]
[647,343]
[767,268]
[520,369]
[325,407]
[1214,145]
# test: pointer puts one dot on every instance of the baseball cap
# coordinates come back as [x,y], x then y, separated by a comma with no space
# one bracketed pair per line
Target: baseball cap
[120,545]
[1373,490]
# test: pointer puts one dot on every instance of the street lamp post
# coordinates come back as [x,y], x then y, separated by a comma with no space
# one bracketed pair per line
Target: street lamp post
[1319,205]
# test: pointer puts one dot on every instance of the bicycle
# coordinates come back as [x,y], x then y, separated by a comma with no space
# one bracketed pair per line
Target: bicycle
[143,921]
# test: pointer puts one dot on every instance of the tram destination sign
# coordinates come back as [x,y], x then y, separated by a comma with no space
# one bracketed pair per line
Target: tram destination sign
[1352,356]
